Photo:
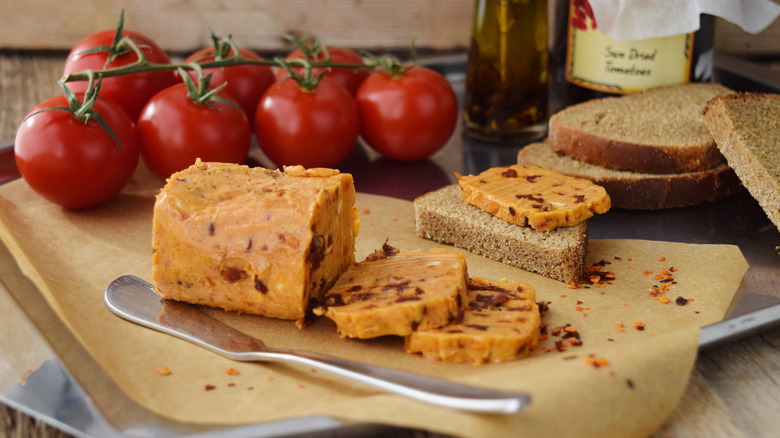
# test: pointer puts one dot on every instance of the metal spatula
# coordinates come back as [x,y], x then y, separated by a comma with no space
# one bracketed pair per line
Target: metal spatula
[135,300]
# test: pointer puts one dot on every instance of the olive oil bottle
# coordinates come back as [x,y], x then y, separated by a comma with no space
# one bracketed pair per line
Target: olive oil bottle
[586,64]
[506,80]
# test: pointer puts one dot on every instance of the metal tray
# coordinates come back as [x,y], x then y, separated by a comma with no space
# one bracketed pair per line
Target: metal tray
[51,394]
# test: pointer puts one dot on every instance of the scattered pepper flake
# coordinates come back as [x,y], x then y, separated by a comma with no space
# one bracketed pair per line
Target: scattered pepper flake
[366,211]
[210,387]
[639,325]
[232,372]
[163,370]
[596,362]
[661,259]
[680,301]
[302,386]
[663,299]
[630,383]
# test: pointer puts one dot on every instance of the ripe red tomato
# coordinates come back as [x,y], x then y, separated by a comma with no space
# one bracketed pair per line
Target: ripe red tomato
[246,83]
[316,128]
[350,78]
[174,131]
[73,164]
[409,117]
[131,92]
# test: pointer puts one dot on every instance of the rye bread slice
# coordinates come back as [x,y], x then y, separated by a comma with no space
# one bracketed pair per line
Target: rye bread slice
[746,127]
[659,130]
[443,216]
[640,191]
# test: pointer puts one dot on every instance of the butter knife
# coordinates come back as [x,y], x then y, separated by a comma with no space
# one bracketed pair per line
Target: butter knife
[135,300]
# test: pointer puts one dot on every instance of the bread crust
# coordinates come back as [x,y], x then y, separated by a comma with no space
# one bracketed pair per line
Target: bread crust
[623,155]
[641,191]
[656,131]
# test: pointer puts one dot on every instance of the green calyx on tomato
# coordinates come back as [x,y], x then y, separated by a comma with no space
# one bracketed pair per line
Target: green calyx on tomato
[392,65]
[307,81]
[118,47]
[201,92]
[82,110]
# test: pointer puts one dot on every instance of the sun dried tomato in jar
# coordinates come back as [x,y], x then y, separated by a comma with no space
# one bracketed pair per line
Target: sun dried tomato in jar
[506,80]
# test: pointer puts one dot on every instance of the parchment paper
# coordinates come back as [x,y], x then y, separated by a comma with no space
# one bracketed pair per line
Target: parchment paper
[71,256]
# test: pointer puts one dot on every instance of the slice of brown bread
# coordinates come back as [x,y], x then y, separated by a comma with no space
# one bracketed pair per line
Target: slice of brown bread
[659,130]
[444,216]
[746,127]
[640,191]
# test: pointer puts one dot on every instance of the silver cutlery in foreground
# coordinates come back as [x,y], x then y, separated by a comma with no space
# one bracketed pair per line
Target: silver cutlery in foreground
[135,300]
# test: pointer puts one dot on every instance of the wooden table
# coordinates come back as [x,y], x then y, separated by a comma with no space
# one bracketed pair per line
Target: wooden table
[734,390]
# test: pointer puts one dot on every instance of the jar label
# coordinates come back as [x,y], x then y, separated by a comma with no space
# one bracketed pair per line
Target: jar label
[595,61]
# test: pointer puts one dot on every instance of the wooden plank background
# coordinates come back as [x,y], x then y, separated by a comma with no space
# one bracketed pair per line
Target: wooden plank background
[182,25]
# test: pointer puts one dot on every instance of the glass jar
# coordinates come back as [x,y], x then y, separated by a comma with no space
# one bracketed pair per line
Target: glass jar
[587,64]
[506,94]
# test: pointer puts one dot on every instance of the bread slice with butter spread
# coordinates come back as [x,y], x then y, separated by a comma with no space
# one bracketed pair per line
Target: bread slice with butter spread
[443,216]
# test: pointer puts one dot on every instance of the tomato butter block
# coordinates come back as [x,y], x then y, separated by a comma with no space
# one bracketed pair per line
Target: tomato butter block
[395,292]
[501,323]
[534,196]
[253,240]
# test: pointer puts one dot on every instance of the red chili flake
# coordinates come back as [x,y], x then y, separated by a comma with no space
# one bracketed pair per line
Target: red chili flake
[630,383]
[232,372]
[596,362]
[230,385]
[680,301]
[639,325]
[210,387]
[163,370]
